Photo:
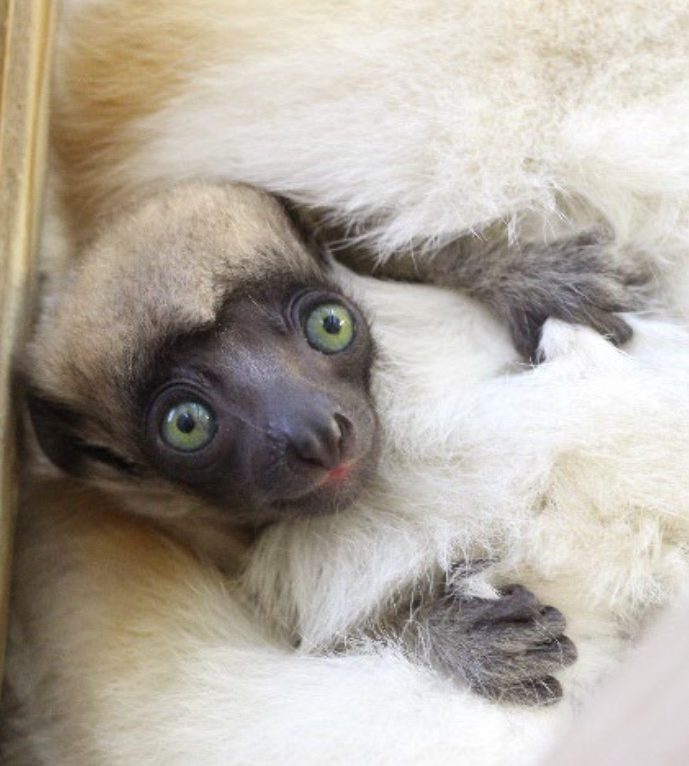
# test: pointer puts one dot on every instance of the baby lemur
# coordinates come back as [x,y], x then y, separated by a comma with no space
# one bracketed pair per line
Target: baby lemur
[203,365]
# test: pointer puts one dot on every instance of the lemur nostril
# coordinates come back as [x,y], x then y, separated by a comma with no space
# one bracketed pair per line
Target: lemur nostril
[345,431]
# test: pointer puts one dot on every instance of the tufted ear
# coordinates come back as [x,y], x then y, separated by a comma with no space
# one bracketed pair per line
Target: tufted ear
[307,230]
[57,427]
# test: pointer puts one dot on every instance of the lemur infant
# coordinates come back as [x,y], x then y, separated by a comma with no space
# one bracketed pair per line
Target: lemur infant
[203,366]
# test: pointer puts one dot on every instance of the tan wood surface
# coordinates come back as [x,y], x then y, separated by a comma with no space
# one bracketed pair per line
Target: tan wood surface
[25,44]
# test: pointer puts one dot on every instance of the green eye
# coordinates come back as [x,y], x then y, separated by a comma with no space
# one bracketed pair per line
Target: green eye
[188,426]
[330,328]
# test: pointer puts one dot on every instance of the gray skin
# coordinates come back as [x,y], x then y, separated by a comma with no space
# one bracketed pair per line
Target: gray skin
[288,414]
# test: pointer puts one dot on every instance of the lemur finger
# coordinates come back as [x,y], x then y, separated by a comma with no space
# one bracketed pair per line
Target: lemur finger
[561,650]
[525,329]
[537,692]
[526,333]
[519,637]
[514,603]
[611,326]
[637,277]
[518,594]
[551,620]
[540,659]
[580,292]
[498,670]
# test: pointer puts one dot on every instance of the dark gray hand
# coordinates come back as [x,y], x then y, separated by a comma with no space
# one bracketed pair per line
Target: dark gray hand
[576,279]
[505,649]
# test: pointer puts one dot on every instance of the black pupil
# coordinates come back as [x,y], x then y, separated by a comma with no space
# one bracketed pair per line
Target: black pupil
[186,423]
[332,324]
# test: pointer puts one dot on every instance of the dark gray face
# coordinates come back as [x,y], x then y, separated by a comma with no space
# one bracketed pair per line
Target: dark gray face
[266,415]
[270,414]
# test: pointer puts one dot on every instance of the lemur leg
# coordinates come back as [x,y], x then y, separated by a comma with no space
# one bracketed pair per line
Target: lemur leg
[577,279]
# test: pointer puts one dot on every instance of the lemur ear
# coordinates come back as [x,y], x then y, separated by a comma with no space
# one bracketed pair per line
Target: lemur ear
[57,429]
[55,426]
[307,229]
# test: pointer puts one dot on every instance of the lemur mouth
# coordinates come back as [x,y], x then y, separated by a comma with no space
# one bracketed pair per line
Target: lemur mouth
[334,491]
[337,478]
[339,474]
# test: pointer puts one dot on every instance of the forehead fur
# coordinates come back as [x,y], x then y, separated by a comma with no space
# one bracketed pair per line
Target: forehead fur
[161,270]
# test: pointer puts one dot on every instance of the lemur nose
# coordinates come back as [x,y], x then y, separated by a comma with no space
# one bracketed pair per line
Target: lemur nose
[320,440]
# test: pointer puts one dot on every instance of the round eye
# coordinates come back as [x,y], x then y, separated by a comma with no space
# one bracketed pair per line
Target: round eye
[188,426]
[330,328]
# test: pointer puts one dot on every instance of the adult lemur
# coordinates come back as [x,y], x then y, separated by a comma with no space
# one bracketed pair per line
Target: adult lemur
[471,143]
[411,124]
[125,648]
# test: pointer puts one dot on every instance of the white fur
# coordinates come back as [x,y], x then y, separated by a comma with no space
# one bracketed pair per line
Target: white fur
[571,474]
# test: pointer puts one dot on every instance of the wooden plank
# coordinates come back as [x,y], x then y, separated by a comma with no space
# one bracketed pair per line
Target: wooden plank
[25,45]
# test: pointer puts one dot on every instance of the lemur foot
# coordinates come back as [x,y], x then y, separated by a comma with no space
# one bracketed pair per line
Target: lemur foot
[575,279]
[505,649]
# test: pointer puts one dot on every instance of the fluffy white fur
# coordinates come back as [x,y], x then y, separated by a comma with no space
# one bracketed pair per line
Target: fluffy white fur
[421,122]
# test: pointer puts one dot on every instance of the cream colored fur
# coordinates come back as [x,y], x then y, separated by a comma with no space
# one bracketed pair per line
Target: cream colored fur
[126,650]
[420,122]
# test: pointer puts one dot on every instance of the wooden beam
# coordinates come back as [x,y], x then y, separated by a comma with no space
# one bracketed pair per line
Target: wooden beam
[26,28]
